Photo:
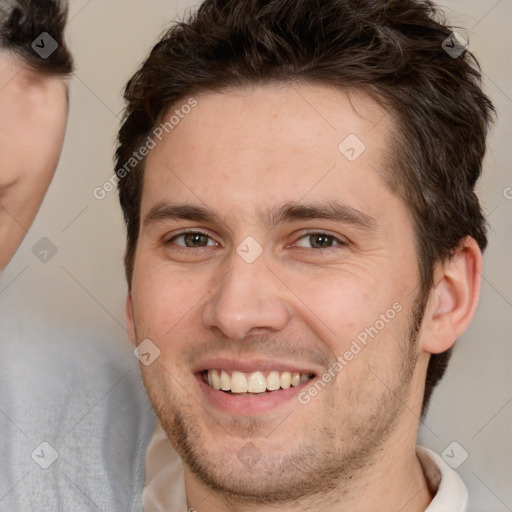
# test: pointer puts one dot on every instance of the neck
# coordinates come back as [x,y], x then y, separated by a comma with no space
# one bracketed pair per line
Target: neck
[393,481]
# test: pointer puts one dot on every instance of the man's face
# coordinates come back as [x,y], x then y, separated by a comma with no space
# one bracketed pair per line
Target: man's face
[337,280]
[33,113]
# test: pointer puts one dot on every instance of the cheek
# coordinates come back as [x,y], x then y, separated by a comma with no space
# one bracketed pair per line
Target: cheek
[364,324]
[342,304]
[164,301]
[32,129]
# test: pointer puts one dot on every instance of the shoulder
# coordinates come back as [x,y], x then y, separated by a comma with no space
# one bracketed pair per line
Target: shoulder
[76,397]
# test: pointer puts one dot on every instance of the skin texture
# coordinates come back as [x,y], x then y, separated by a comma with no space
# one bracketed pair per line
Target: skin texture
[32,125]
[352,447]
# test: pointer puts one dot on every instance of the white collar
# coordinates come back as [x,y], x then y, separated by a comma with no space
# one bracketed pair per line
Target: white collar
[164,488]
[451,495]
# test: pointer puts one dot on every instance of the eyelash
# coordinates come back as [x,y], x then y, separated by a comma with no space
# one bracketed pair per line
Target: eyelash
[339,241]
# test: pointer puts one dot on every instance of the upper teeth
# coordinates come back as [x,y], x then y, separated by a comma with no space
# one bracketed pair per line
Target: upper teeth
[255,382]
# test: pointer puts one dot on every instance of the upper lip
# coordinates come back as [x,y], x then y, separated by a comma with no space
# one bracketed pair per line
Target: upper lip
[253,365]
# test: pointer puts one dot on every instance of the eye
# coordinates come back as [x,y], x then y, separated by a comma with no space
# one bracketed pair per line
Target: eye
[192,239]
[319,241]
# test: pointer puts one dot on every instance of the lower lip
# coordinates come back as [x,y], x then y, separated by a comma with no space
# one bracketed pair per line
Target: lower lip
[250,404]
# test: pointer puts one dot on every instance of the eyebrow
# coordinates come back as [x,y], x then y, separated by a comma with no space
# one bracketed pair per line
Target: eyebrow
[288,212]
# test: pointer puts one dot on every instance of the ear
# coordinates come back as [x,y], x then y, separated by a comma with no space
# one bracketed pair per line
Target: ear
[453,299]
[130,325]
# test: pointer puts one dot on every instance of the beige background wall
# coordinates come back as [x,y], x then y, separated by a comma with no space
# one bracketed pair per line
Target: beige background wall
[83,284]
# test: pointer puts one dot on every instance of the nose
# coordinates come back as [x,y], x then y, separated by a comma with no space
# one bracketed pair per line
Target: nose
[248,300]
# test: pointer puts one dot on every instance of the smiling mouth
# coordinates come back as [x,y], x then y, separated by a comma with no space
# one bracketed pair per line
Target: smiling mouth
[254,383]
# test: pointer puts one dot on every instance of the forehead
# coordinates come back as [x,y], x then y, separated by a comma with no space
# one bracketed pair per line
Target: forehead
[17,76]
[248,148]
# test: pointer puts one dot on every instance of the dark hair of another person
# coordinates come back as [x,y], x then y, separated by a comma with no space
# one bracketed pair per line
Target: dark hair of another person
[22,21]
[391,49]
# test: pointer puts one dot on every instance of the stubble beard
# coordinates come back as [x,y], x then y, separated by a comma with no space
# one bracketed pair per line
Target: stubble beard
[314,467]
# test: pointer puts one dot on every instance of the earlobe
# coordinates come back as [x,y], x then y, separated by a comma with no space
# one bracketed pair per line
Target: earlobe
[130,325]
[454,298]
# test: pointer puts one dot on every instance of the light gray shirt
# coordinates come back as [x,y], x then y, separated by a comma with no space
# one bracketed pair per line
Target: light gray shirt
[75,422]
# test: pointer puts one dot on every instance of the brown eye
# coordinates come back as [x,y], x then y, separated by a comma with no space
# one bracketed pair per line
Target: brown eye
[319,241]
[192,239]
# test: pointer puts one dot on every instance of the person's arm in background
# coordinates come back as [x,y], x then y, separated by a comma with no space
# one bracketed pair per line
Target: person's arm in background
[33,111]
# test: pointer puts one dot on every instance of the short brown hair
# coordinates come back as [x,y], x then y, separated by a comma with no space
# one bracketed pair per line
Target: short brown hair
[391,49]
[22,21]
